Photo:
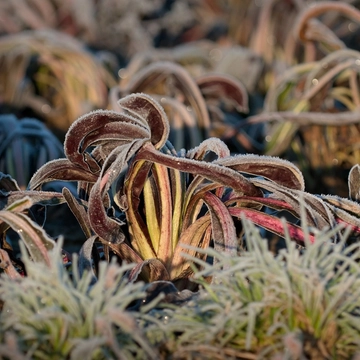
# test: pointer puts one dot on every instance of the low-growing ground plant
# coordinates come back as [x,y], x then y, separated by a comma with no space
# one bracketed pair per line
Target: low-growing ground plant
[296,304]
[172,206]
[58,314]
[143,200]
[177,218]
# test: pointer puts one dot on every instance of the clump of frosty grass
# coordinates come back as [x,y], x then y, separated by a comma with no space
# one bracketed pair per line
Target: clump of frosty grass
[50,314]
[297,304]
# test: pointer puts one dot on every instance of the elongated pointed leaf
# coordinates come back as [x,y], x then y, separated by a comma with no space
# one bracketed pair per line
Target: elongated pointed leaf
[177,190]
[317,213]
[134,184]
[105,227]
[278,170]
[36,240]
[20,205]
[150,110]
[37,197]
[160,71]
[222,225]
[352,207]
[152,212]
[92,124]
[345,211]
[60,169]
[259,202]
[149,270]
[79,211]
[271,223]
[214,172]
[164,193]
[193,236]
[224,88]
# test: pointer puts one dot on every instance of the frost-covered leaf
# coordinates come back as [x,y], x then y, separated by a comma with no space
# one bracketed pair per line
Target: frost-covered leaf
[272,224]
[213,145]
[354,183]
[225,88]
[37,197]
[317,214]
[7,183]
[345,211]
[60,169]
[109,228]
[150,270]
[160,72]
[36,240]
[223,229]
[212,171]
[97,127]
[79,209]
[152,113]
[278,170]
[85,262]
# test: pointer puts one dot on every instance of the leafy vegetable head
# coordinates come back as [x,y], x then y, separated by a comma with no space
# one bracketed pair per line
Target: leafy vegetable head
[144,200]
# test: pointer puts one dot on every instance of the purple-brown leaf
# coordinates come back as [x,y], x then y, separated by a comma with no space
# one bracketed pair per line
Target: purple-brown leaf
[150,111]
[226,88]
[278,170]
[60,169]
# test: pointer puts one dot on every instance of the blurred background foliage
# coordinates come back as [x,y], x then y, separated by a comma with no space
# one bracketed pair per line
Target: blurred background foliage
[297,62]
[269,77]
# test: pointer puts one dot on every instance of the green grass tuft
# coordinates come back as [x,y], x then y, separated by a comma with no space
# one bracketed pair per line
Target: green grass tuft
[298,304]
[49,314]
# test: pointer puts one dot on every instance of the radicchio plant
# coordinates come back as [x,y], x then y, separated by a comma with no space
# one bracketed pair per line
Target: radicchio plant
[145,201]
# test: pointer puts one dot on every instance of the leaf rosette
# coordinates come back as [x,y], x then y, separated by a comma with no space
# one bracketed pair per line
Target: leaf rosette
[149,203]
